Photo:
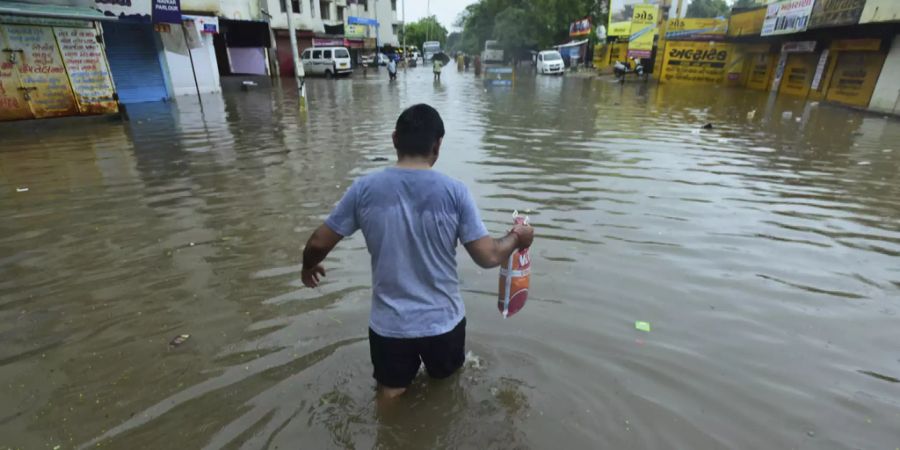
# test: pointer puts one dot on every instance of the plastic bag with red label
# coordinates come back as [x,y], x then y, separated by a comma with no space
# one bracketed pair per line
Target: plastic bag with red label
[515,276]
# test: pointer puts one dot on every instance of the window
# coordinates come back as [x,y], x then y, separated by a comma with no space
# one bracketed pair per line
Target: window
[324,10]
[306,54]
[365,4]
[340,13]
[317,54]
[312,8]
[295,5]
[341,53]
[396,28]
[327,54]
[393,5]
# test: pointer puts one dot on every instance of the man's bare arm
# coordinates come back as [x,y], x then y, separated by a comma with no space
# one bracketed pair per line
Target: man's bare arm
[317,248]
[488,252]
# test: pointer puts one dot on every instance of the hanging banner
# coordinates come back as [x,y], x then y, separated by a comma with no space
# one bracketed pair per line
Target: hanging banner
[695,62]
[696,29]
[786,17]
[580,27]
[124,7]
[835,13]
[643,28]
[192,34]
[88,72]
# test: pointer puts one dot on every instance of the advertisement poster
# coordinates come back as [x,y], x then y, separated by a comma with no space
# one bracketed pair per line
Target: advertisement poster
[761,65]
[696,29]
[786,17]
[695,62]
[854,78]
[835,13]
[643,29]
[88,72]
[798,74]
[41,71]
[580,27]
[620,13]
[353,31]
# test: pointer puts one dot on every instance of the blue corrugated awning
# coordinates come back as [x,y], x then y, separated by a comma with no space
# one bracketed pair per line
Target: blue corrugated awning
[52,11]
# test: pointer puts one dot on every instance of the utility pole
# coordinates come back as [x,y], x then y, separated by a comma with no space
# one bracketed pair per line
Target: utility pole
[299,74]
[377,28]
[405,49]
[428,30]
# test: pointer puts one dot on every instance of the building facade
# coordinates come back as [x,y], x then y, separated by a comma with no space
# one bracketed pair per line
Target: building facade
[351,23]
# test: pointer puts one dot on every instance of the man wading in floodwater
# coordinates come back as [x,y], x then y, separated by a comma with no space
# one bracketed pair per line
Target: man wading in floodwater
[412,217]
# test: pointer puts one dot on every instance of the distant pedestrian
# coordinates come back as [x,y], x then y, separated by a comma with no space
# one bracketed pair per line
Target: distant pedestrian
[436,67]
[392,70]
[460,62]
[477,65]
[466,61]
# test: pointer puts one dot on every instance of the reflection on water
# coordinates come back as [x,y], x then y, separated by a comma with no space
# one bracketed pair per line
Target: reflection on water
[763,251]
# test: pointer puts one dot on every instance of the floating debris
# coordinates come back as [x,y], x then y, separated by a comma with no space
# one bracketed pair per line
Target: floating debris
[22,189]
[708,126]
[879,376]
[178,340]
[642,326]
[751,115]
[863,163]
[787,115]
[379,159]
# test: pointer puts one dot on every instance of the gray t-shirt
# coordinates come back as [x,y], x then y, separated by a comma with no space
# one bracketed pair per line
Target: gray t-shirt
[412,221]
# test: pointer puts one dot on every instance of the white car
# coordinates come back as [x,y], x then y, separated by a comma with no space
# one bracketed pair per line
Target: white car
[550,62]
[328,61]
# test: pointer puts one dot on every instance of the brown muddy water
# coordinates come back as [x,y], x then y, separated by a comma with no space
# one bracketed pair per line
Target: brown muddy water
[763,252]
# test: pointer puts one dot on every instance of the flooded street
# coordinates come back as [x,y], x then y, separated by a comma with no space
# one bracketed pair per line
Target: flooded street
[763,252]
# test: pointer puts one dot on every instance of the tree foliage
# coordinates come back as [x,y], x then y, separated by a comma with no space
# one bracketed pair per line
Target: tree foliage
[426,29]
[523,24]
[701,9]
[745,4]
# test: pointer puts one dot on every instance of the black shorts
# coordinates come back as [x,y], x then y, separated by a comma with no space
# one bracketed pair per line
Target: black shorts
[397,360]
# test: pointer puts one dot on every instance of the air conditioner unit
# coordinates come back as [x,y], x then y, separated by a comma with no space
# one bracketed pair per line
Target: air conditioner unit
[340,2]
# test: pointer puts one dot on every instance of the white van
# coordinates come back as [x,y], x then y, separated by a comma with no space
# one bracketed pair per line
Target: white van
[550,62]
[328,61]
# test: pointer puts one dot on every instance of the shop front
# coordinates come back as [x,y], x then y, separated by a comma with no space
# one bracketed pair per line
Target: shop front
[52,63]
[242,47]
[135,50]
[796,68]
[854,72]
[191,56]
[285,56]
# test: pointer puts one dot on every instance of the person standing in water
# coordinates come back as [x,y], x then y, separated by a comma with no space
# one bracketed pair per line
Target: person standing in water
[413,218]
[392,69]
[437,65]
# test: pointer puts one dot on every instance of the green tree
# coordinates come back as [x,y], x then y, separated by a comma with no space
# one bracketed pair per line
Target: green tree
[701,9]
[513,27]
[426,29]
[454,41]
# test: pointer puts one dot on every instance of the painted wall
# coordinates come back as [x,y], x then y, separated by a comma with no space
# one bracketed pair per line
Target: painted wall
[880,11]
[886,97]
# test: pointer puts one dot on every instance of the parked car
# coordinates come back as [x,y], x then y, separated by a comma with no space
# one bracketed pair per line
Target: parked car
[550,62]
[327,61]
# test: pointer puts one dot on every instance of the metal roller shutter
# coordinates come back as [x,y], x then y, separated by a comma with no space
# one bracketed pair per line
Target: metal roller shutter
[134,62]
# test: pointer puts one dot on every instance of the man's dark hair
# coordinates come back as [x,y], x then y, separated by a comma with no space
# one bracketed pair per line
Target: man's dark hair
[418,128]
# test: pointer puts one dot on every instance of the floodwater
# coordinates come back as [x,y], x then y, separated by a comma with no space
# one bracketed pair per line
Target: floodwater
[763,252]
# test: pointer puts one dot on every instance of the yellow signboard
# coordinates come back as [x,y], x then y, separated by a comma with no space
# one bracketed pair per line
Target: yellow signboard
[856,45]
[619,29]
[618,52]
[854,78]
[643,28]
[747,23]
[695,62]
[696,29]
[798,74]
[760,74]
